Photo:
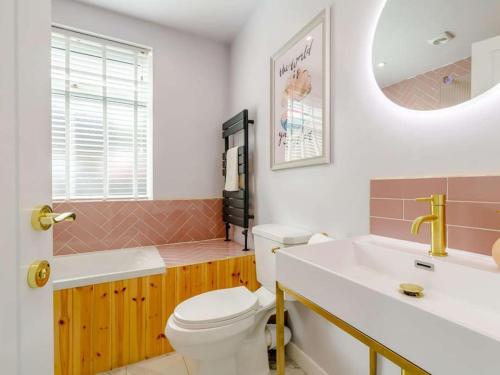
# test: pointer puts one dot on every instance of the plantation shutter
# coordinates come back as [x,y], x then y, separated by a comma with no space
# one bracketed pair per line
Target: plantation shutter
[101,118]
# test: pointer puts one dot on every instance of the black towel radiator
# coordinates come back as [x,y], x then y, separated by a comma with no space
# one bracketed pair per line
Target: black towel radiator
[236,205]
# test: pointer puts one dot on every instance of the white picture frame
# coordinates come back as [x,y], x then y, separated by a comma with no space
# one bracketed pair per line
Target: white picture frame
[300,97]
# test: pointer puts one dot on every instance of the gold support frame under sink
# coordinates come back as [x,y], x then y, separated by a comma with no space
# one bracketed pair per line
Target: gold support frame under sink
[376,348]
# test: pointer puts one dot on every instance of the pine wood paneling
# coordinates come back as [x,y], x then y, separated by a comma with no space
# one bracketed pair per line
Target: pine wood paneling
[63,309]
[248,276]
[183,284]
[154,322]
[209,276]
[105,326]
[82,330]
[169,283]
[253,284]
[120,321]
[101,327]
[234,265]
[196,280]
[137,297]
[223,276]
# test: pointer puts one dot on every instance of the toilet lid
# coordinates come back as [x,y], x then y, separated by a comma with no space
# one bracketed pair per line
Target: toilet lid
[216,307]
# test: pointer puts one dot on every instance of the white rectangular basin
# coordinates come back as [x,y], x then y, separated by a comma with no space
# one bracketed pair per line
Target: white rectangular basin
[70,271]
[453,329]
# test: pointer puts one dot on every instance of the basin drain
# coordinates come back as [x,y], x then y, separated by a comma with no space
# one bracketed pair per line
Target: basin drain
[412,290]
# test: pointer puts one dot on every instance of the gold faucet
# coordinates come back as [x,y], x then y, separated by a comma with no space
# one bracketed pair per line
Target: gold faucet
[437,218]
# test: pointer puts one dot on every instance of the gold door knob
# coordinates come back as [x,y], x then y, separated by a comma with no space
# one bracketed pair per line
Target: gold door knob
[42,217]
[38,274]
[274,250]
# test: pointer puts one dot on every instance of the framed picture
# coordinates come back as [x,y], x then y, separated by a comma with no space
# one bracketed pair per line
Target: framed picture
[300,97]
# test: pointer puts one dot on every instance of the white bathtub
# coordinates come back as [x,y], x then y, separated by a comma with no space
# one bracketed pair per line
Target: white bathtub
[69,271]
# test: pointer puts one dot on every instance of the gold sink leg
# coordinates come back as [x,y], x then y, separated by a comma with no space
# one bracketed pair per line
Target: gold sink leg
[405,372]
[373,362]
[280,330]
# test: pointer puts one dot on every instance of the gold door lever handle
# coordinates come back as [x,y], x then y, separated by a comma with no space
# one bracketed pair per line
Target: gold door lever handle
[54,218]
[42,217]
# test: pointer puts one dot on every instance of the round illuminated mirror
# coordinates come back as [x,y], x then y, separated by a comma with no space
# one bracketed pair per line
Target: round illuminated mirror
[433,54]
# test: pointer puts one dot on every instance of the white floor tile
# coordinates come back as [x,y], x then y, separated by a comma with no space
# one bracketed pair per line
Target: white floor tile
[175,364]
[291,369]
[172,364]
[118,371]
[190,366]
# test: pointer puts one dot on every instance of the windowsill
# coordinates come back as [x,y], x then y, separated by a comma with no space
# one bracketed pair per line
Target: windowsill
[90,200]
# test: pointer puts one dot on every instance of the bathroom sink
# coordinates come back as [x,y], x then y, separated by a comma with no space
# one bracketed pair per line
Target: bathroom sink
[358,280]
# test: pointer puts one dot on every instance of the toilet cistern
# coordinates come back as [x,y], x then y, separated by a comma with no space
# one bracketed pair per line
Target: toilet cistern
[223,331]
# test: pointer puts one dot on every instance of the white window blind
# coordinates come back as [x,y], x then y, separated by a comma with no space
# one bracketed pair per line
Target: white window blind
[101,118]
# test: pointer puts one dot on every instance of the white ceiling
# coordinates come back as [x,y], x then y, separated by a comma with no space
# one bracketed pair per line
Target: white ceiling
[406,25]
[216,19]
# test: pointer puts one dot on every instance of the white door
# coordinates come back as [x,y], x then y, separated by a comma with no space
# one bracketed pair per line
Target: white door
[485,65]
[26,332]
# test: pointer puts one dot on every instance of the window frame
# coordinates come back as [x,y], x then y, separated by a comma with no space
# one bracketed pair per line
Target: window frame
[110,41]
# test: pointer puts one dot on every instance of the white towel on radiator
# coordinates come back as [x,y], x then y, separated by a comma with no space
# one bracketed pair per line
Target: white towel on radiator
[232,178]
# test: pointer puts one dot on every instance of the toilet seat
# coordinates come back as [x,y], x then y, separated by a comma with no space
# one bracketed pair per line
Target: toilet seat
[216,308]
[224,332]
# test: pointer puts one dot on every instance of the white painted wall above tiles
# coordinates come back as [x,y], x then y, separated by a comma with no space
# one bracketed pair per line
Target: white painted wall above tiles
[371,137]
[190,98]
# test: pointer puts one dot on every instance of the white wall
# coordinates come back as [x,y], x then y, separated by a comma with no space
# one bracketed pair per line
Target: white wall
[371,137]
[190,98]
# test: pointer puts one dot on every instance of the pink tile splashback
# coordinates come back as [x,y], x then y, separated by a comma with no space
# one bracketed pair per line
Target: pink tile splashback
[472,220]
[410,188]
[389,208]
[122,224]
[477,189]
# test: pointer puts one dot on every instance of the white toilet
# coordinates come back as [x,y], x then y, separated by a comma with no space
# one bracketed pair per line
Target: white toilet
[222,332]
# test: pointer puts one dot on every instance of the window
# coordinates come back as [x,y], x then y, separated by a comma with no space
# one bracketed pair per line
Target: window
[101,118]
[305,132]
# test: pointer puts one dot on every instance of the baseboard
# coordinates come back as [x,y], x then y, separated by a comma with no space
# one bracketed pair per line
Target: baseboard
[305,362]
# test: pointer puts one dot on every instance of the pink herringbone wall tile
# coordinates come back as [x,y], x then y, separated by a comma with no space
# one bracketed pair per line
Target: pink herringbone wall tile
[472,218]
[121,224]
[423,92]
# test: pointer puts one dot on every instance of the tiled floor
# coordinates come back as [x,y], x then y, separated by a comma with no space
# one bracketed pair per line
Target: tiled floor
[174,364]
[291,369]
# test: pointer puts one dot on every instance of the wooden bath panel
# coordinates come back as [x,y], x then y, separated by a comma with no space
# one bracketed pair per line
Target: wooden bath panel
[110,325]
